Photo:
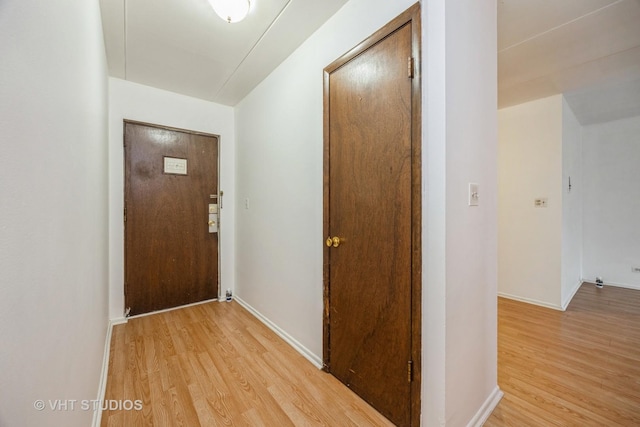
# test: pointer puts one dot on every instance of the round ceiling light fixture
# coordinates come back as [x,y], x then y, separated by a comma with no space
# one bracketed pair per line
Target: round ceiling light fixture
[231,10]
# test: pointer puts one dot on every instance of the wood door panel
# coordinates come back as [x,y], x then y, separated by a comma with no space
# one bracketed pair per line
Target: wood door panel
[170,257]
[370,209]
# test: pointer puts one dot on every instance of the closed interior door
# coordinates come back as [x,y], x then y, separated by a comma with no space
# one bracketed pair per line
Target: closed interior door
[370,206]
[171,186]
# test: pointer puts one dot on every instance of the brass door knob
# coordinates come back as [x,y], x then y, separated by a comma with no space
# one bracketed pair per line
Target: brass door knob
[212,223]
[333,241]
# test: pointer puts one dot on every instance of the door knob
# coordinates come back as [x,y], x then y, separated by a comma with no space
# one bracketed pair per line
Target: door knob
[333,241]
[212,223]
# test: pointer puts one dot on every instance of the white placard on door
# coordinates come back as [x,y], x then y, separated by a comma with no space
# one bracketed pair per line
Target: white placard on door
[175,166]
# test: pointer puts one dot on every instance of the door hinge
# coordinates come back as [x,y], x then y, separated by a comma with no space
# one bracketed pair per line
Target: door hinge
[410,67]
[125,214]
[409,371]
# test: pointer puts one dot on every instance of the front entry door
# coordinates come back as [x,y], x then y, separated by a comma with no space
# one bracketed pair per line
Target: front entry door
[171,211]
[372,203]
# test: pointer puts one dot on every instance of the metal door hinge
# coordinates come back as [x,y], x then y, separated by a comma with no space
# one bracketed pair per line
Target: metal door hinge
[410,67]
[410,371]
[125,214]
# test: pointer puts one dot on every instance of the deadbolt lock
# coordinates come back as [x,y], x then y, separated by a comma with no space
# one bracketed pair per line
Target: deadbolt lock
[213,218]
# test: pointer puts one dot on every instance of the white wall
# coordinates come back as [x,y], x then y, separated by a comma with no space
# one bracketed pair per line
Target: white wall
[530,167]
[611,156]
[279,149]
[279,237]
[133,101]
[540,249]
[571,254]
[470,258]
[434,212]
[53,215]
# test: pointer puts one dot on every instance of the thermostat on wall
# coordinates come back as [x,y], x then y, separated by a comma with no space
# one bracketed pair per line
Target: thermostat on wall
[540,202]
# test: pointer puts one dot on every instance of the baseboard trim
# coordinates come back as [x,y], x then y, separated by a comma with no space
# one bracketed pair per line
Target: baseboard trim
[102,385]
[530,301]
[575,289]
[614,284]
[119,321]
[172,308]
[305,352]
[487,408]
[567,301]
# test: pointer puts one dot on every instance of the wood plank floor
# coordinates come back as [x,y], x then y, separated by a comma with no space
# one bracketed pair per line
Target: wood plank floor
[215,364]
[580,367]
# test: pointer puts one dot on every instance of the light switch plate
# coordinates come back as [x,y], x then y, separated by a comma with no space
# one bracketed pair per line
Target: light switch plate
[474,195]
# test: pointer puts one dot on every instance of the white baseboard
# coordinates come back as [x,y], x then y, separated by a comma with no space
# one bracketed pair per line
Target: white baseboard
[172,308]
[102,385]
[530,301]
[119,320]
[487,408]
[617,285]
[567,301]
[310,356]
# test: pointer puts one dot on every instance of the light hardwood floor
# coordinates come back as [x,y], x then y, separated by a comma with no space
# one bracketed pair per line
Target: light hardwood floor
[214,364]
[580,367]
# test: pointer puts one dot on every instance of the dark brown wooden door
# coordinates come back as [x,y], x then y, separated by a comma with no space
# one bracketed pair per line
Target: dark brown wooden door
[171,257]
[370,168]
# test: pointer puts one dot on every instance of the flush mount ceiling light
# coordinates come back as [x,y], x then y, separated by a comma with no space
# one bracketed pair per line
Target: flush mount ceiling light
[231,10]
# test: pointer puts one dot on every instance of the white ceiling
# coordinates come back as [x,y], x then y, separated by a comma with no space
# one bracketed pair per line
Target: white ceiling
[184,47]
[587,49]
